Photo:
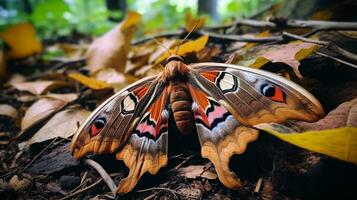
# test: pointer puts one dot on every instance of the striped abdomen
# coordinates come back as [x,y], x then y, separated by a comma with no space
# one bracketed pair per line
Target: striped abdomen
[181,102]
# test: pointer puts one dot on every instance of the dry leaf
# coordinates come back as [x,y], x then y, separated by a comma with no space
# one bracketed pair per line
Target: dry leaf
[335,135]
[111,50]
[344,115]
[63,124]
[115,79]
[16,78]
[22,40]
[39,87]
[190,46]
[194,171]
[90,82]
[289,54]
[7,110]
[18,185]
[191,22]
[43,108]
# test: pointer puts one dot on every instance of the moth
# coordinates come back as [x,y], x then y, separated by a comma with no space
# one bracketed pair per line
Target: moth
[219,102]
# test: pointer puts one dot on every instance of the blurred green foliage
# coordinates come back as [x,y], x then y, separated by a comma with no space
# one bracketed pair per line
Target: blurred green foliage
[53,18]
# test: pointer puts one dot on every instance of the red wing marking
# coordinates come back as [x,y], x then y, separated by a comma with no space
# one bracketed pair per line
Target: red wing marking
[154,122]
[141,91]
[207,111]
[210,75]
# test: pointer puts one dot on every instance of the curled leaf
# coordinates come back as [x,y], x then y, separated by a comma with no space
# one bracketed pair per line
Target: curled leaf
[289,54]
[111,49]
[335,135]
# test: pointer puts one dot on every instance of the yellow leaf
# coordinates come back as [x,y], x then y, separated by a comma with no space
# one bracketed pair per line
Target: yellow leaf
[304,52]
[340,143]
[191,46]
[131,19]
[111,50]
[22,40]
[259,62]
[191,22]
[90,82]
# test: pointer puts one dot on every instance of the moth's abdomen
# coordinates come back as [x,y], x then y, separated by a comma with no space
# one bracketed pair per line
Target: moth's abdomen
[182,107]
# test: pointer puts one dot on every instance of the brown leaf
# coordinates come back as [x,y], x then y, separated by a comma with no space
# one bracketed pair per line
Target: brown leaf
[39,87]
[43,108]
[116,79]
[19,184]
[344,115]
[194,171]
[111,50]
[63,124]
[289,54]
[7,110]
[22,40]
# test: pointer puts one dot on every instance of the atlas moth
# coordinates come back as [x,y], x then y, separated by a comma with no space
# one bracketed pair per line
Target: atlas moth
[219,102]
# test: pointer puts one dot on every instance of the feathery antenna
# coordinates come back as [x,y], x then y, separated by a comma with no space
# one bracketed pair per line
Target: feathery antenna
[184,39]
[163,46]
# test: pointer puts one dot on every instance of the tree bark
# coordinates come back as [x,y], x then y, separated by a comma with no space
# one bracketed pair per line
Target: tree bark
[208,7]
[116,5]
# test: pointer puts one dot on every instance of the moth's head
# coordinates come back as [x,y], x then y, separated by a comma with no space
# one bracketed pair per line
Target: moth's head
[175,58]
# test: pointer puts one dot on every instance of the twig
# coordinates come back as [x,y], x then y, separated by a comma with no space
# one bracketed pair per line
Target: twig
[329,45]
[298,37]
[160,188]
[82,190]
[337,59]
[107,179]
[182,163]
[321,25]
[239,38]
[259,184]
[162,35]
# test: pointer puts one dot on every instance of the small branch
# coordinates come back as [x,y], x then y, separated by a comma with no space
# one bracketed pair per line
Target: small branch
[39,154]
[162,35]
[107,179]
[337,59]
[160,188]
[321,25]
[239,38]
[329,45]
[181,164]
[82,190]
[298,37]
